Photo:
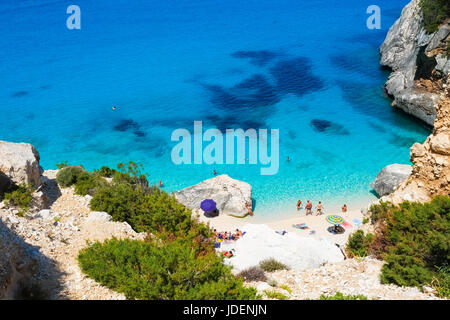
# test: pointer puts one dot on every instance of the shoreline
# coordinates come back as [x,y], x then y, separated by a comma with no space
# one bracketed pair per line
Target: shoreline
[318,224]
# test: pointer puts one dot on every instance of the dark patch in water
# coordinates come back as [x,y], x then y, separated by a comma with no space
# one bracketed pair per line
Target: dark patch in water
[295,76]
[377,127]
[129,125]
[259,58]
[401,141]
[370,101]
[19,94]
[45,87]
[251,93]
[326,126]
[230,122]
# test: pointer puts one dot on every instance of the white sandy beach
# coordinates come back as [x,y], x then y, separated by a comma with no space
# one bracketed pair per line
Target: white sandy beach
[315,223]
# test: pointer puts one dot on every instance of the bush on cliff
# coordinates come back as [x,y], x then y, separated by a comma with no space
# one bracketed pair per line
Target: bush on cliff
[89,183]
[20,197]
[435,12]
[414,240]
[162,271]
[150,210]
[68,175]
[358,244]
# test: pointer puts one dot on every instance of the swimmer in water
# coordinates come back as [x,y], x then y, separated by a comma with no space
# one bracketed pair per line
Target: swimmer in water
[288,159]
[114,108]
[214,172]
[160,183]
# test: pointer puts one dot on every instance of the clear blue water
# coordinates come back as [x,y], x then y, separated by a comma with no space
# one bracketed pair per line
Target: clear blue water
[281,64]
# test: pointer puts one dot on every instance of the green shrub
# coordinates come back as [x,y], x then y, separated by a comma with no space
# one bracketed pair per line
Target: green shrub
[88,183]
[442,281]
[341,296]
[286,287]
[414,241]
[435,12]
[69,175]
[358,244]
[271,265]
[20,197]
[253,274]
[275,295]
[151,210]
[172,270]
[365,220]
[106,172]
[272,283]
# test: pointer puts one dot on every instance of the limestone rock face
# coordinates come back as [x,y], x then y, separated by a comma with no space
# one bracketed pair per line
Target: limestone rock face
[412,54]
[431,161]
[390,177]
[20,162]
[230,195]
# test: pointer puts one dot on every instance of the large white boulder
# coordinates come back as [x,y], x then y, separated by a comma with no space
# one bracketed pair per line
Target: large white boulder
[20,163]
[230,195]
[260,242]
[390,177]
[97,216]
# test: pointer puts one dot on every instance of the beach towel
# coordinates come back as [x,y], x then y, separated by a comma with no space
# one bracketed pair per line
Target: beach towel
[217,245]
[357,222]
[346,224]
[281,232]
[300,226]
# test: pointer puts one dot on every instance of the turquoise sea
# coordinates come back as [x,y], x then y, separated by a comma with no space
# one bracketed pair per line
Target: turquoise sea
[308,68]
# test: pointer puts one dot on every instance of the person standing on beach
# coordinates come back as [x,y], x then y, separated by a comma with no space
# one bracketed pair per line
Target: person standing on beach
[308,208]
[344,209]
[319,208]
[299,204]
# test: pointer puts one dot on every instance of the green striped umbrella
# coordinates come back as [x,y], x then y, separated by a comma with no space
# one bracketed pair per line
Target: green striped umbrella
[336,220]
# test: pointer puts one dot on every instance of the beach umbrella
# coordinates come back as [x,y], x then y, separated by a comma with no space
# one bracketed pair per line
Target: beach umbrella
[336,220]
[208,205]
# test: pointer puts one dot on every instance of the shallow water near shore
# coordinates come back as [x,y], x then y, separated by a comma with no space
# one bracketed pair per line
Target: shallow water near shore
[308,68]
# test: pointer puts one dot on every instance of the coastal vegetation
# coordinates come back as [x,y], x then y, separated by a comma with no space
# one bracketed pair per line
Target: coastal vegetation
[435,12]
[20,197]
[253,274]
[414,240]
[271,265]
[358,244]
[176,261]
[272,294]
[341,296]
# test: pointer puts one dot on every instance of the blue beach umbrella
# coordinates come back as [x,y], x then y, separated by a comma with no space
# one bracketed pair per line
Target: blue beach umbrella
[336,220]
[208,205]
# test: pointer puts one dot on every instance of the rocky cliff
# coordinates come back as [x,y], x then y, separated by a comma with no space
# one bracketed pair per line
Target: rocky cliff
[420,85]
[419,62]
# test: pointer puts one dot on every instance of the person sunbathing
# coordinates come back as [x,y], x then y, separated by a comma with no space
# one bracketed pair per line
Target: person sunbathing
[229,254]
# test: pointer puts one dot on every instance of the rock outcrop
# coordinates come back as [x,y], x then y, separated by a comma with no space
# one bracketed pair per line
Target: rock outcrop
[390,178]
[20,163]
[350,277]
[419,85]
[431,161]
[416,57]
[231,196]
[39,251]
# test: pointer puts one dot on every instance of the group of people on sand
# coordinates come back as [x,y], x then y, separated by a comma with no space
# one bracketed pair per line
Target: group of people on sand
[309,206]
[228,235]
[319,208]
